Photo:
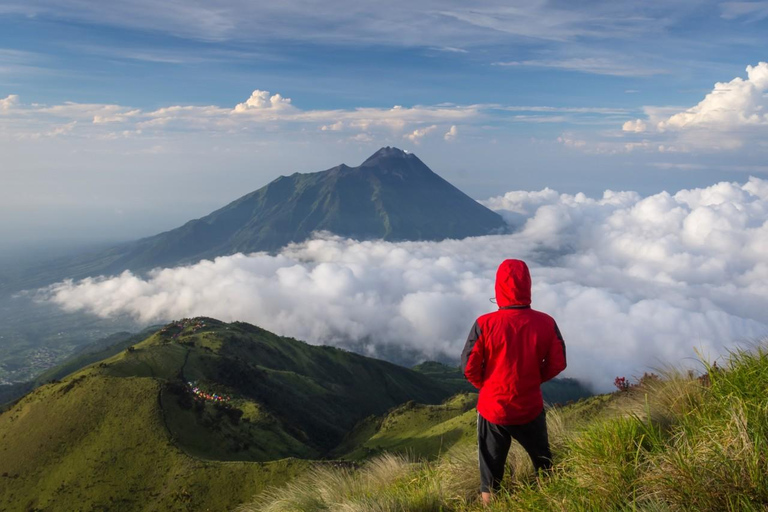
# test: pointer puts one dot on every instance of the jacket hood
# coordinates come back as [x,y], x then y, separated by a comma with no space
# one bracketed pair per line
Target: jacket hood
[513,284]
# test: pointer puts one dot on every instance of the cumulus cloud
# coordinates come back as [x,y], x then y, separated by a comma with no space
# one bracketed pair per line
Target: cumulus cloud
[416,135]
[636,126]
[730,105]
[732,115]
[261,100]
[633,281]
[451,134]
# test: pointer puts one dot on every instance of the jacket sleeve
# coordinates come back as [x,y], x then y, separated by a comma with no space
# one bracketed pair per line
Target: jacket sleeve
[472,357]
[554,362]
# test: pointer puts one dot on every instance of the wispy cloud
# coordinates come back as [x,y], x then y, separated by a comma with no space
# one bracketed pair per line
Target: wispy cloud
[194,54]
[17,62]
[745,11]
[446,24]
[593,65]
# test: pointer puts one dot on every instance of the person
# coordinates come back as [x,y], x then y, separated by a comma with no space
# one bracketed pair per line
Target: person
[509,353]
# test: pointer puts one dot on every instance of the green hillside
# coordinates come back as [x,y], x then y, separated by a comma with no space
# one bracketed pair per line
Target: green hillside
[682,442]
[424,431]
[128,432]
[82,357]
[94,442]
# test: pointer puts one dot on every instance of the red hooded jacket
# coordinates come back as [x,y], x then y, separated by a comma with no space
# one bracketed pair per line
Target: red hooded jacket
[510,352]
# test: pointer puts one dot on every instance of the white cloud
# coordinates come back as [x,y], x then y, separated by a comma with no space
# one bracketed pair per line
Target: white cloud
[636,126]
[261,100]
[733,115]
[335,127]
[416,135]
[9,101]
[262,110]
[731,105]
[63,129]
[633,282]
[119,115]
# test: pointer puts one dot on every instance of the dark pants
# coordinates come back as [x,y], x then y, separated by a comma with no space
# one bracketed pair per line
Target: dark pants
[493,443]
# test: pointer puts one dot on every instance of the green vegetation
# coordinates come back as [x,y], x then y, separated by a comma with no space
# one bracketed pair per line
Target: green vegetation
[424,431]
[94,442]
[678,443]
[128,433]
[202,414]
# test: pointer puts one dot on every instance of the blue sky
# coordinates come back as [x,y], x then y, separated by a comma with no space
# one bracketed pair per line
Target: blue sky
[119,119]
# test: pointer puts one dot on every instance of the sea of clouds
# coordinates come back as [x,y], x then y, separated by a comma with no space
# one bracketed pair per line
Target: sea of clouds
[635,283]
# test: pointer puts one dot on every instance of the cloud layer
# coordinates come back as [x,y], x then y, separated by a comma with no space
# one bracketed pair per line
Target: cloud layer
[633,282]
[265,112]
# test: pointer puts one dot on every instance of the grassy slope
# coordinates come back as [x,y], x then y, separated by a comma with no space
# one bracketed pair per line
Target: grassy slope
[125,432]
[423,430]
[94,352]
[427,431]
[674,444]
[82,357]
[94,442]
[417,429]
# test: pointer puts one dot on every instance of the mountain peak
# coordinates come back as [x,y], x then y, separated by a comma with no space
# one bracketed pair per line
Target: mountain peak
[387,153]
[393,195]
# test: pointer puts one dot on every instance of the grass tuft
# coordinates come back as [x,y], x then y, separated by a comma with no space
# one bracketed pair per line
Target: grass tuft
[675,442]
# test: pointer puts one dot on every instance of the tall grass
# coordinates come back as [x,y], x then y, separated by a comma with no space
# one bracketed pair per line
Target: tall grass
[677,443]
